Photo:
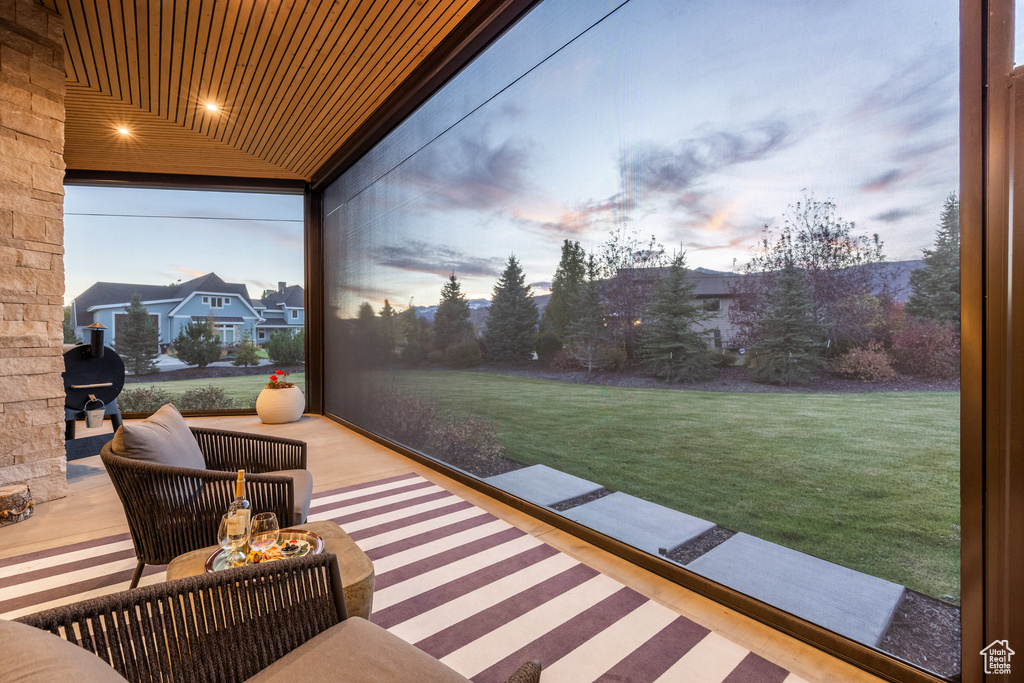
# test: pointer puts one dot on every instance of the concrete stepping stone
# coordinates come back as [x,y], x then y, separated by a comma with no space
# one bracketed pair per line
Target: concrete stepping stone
[542,485]
[640,523]
[854,604]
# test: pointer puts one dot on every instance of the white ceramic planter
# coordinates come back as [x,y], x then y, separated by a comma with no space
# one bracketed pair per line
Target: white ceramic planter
[276,406]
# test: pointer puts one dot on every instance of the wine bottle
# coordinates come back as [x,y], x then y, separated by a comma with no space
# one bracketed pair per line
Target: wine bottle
[240,505]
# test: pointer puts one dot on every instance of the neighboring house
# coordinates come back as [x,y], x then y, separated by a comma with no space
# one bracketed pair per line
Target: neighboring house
[713,291]
[284,309]
[172,307]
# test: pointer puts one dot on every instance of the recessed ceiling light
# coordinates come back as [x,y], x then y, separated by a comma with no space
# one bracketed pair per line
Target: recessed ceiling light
[124,131]
[211,106]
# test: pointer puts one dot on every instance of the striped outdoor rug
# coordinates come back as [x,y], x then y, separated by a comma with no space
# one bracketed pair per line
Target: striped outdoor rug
[463,585]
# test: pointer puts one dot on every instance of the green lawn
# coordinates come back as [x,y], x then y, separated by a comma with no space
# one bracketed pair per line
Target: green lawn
[870,481]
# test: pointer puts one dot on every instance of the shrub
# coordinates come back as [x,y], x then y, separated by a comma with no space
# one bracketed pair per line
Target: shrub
[413,354]
[402,418]
[547,344]
[721,358]
[470,444]
[209,397]
[435,357]
[143,399]
[464,354]
[927,349]
[563,361]
[245,352]
[286,348]
[198,344]
[871,364]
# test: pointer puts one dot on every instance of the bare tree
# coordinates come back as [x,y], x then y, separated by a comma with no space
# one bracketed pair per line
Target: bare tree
[848,290]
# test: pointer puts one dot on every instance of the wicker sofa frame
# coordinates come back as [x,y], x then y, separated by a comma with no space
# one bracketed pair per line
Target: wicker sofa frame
[221,627]
[175,510]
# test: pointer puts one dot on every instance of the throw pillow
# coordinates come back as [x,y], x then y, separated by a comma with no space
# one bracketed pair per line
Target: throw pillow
[163,439]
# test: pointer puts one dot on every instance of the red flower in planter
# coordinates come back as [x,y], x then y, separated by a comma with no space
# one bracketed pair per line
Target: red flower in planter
[278,381]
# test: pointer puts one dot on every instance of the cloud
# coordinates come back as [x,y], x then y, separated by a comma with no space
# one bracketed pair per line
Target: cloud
[437,259]
[895,215]
[675,170]
[182,270]
[915,98]
[884,181]
[578,221]
[468,173]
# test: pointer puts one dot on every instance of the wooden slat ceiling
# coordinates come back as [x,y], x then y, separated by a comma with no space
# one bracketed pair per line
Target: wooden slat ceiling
[292,80]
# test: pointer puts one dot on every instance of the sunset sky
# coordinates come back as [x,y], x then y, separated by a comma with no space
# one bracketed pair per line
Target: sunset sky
[696,122]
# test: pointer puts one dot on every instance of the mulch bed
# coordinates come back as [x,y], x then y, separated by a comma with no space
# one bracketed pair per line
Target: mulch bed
[691,550]
[926,631]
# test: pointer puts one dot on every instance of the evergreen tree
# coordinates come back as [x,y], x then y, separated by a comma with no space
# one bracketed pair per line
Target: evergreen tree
[389,329]
[672,346]
[936,286]
[512,320]
[198,343]
[368,341]
[138,339]
[245,353]
[570,276]
[791,349]
[415,336]
[69,330]
[588,336]
[451,321]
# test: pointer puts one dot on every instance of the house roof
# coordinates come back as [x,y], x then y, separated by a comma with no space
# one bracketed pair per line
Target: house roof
[110,293]
[291,297]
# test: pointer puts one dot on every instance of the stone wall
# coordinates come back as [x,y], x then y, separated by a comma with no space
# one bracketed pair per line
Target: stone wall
[31,248]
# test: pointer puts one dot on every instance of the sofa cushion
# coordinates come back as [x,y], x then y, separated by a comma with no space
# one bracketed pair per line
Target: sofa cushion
[162,439]
[37,656]
[365,652]
[302,487]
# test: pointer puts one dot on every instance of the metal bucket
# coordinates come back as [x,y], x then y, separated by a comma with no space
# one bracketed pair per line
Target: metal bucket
[94,416]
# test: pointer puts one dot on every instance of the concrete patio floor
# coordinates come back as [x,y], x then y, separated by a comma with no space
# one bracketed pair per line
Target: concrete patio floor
[339,457]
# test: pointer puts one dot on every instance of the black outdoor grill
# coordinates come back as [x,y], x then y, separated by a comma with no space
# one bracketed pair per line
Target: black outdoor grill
[93,378]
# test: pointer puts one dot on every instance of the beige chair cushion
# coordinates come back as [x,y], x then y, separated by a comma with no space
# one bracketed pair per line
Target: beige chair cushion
[36,656]
[302,483]
[356,651]
[162,439]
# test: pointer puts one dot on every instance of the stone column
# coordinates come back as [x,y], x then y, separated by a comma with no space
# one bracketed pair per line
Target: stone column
[31,248]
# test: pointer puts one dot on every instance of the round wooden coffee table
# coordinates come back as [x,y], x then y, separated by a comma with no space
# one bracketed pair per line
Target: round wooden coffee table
[356,568]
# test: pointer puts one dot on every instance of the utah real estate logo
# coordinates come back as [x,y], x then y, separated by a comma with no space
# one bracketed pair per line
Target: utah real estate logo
[997,657]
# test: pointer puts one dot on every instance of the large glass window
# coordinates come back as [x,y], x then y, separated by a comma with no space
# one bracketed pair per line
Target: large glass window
[686,273]
[198,290]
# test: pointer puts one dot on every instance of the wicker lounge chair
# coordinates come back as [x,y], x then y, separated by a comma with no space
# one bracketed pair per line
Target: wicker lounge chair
[173,509]
[268,623]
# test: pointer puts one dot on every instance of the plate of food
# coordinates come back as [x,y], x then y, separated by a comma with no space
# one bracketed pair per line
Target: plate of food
[291,543]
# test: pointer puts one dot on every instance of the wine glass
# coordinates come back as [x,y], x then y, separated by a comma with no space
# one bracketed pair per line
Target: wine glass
[263,532]
[232,534]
